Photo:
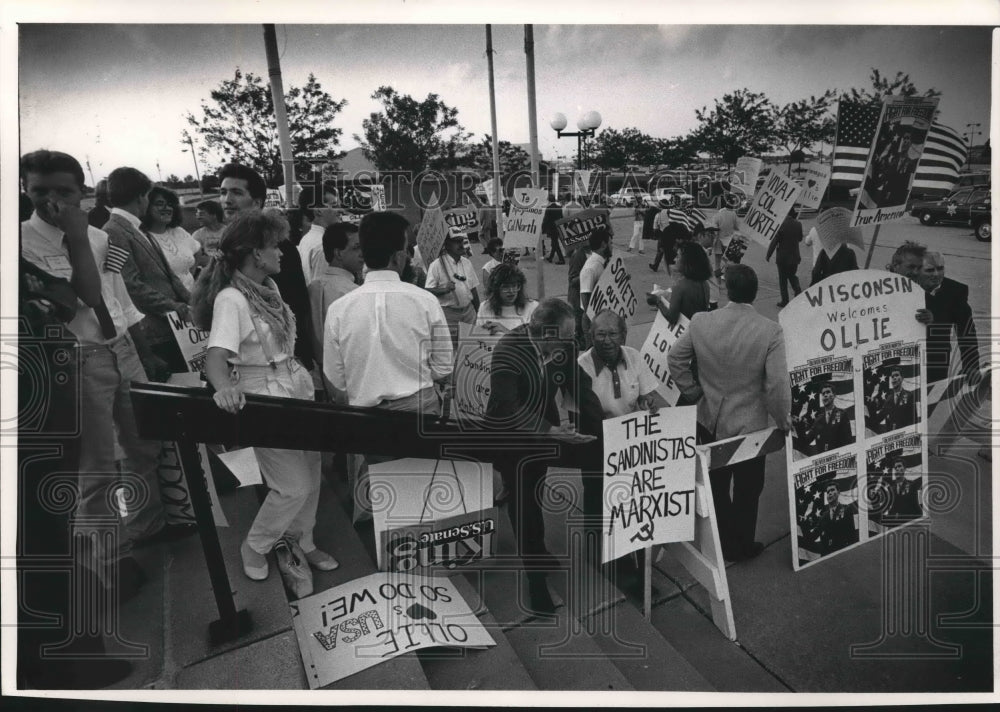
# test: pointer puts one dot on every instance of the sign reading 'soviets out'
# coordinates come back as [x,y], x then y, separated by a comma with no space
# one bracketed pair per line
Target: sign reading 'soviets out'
[858,446]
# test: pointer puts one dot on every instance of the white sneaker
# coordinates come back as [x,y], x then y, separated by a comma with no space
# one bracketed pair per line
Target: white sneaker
[254,563]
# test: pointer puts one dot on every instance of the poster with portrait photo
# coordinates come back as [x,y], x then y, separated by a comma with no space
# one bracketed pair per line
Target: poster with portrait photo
[892,385]
[823,412]
[825,502]
[894,489]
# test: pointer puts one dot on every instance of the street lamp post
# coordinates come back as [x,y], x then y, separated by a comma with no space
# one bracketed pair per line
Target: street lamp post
[972,134]
[190,142]
[588,123]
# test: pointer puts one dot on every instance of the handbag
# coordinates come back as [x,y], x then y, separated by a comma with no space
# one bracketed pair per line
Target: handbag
[295,571]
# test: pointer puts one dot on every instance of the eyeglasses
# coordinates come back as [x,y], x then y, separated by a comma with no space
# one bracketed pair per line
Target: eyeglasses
[160,204]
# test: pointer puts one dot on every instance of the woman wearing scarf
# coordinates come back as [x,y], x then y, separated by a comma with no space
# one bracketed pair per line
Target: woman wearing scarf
[250,350]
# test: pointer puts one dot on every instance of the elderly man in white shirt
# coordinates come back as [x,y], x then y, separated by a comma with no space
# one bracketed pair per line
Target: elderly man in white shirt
[58,240]
[453,280]
[619,378]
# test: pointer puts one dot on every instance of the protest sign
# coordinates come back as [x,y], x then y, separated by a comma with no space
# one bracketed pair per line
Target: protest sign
[895,481]
[464,219]
[413,494]
[833,226]
[449,543]
[769,207]
[473,356]
[523,224]
[192,341]
[812,178]
[581,183]
[736,248]
[378,202]
[244,466]
[431,234]
[649,475]
[856,369]
[654,353]
[488,191]
[511,257]
[576,230]
[614,291]
[743,179]
[359,624]
[896,148]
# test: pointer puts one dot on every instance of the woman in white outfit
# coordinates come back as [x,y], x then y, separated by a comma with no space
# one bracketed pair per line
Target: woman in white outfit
[250,350]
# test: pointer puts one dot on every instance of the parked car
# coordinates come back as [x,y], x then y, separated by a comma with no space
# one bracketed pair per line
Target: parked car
[965,206]
[676,196]
[628,197]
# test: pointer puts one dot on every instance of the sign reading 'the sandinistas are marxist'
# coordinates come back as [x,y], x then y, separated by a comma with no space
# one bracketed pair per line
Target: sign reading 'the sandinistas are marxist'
[858,443]
[649,474]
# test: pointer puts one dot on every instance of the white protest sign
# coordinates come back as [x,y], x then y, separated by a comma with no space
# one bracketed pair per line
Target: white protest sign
[464,219]
[359,624]
[581,183]
[743,179]
[410,492]
[813,178]
[649,475]
[614,291]
[833,227]
[244,466]
[896,149]
[192,341]
[654,353]
[473,356]
[431,234]
[769,207]
[488,190]
[524,223]
[378,198]
[857,372]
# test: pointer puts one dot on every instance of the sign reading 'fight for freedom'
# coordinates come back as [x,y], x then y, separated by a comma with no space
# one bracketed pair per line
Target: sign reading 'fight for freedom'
[614,291]
[649,476]
[769,208]
[524,223]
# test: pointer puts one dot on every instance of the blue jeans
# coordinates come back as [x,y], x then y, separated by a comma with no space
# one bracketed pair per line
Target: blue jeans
[106,407]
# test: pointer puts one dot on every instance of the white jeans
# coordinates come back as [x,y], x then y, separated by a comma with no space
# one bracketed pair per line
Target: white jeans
[293,476]
[636,240]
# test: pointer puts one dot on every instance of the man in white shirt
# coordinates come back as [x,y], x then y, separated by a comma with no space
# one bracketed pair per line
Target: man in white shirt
[385,344]
[453,280]
[311,244]
[620,380]
[724,223]
[599,244]
[58,240]
[342,249]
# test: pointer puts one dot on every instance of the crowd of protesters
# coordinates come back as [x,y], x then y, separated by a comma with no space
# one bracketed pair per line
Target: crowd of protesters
[302,302]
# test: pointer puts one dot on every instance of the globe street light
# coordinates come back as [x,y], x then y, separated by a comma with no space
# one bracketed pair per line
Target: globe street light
[587,124]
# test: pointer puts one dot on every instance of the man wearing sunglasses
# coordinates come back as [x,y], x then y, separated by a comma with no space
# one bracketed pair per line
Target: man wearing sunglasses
[453,280]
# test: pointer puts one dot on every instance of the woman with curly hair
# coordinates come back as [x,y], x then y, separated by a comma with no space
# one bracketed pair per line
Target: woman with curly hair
[250,350]
[506,305]
[163,221]
[690,294]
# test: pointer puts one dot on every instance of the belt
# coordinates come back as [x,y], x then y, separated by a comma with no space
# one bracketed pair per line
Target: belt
[91,348]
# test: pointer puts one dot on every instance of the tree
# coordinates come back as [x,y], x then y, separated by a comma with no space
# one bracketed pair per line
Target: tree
[172,181]
[616,149]
[512,158]
[674,152]
[238,121]
[882,86]
[799,125]
[411,136]
[741,124]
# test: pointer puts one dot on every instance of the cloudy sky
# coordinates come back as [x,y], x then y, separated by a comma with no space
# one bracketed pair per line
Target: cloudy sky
[118,93]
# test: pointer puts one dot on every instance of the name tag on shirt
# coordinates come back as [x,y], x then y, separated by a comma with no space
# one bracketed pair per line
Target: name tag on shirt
[58,265]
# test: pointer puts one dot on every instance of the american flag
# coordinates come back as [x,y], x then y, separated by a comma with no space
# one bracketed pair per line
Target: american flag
[693,218]
[856,124]
[944,153]
[116,258]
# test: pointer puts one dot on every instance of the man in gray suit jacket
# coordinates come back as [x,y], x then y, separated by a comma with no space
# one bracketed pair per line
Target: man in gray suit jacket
[731,362]
[152,285]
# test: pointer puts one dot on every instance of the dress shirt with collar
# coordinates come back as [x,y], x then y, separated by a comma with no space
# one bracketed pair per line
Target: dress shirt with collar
[618,386]
[385,340]
[590,274]
[132,219]
[442,271]
[331,285]
[311,250]
[44,246]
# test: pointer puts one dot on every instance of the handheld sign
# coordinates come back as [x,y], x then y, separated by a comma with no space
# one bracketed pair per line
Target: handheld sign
[378,200]
[813,178]
[576,230]
[744,178]
[614,291]
[834,229]
[654,353]
[473,358]
[431,234]
[364,622]
[857,451]
[769,208]
[524,223]
[192,341]
[649,476]
[464,219]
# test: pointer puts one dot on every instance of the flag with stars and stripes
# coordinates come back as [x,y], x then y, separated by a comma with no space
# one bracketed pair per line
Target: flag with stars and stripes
[692,218]
[944,154]
[116,258]
[856,125]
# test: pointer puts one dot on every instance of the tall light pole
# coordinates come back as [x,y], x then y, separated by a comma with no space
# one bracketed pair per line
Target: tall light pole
[971,133]
[588,123]
[186,138]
